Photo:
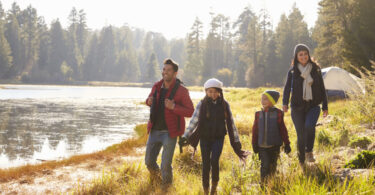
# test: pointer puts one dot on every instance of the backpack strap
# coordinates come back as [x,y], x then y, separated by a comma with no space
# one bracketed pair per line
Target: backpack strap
[174,90]
[171,96]
[153,107]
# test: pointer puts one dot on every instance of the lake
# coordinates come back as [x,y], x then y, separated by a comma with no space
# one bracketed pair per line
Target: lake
[39,122]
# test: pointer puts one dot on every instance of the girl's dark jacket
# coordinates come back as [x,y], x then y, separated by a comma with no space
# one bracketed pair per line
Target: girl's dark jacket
[294,85]
[193,132]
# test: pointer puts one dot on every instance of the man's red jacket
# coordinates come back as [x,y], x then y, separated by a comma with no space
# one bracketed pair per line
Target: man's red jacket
[183,108]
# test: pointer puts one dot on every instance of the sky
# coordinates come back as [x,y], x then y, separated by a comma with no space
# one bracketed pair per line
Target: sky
[172,18]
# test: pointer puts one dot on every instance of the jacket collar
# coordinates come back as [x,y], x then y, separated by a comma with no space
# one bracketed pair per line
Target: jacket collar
[269,109]
[159,85]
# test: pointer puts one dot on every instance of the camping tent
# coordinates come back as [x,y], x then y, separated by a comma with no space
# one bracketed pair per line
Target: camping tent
[339,82]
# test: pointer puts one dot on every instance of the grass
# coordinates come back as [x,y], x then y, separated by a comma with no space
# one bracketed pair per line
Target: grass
[125,148]
[236,178]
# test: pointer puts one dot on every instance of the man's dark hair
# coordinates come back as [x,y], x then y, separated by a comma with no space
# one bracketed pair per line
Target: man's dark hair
[171,62]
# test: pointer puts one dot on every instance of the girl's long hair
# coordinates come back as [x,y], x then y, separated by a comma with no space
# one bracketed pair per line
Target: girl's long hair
[204,111]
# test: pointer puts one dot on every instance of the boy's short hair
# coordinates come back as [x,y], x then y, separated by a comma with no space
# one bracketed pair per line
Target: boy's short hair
[171,62]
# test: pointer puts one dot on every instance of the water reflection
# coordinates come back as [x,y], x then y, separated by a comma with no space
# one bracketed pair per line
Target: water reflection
[53,122]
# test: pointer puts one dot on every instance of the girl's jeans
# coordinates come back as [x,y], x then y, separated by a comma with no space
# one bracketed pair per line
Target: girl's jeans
[210,151]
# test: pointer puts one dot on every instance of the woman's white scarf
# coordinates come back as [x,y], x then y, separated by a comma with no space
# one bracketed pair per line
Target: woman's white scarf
[308,81]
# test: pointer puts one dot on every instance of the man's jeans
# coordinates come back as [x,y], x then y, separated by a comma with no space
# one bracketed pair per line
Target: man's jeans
[156,140]
[210,151]
[304,123]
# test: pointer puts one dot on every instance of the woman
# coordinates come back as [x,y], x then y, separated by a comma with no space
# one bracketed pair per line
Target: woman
[305,83]
[211,121]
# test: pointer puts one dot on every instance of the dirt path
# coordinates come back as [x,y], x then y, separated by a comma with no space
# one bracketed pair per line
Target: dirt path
[64,179]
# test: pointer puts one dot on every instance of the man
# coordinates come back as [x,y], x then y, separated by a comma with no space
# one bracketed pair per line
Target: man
[166,120]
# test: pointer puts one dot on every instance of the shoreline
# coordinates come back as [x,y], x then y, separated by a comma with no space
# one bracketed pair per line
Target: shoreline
[127,147]
[85,84]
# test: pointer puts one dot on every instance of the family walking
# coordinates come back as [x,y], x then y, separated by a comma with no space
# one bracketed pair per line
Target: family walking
[212,120]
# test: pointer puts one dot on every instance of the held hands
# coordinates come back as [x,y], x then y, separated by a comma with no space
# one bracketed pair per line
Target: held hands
[244,156]
[183,141]
[285,108]
[169,104]
[287,149]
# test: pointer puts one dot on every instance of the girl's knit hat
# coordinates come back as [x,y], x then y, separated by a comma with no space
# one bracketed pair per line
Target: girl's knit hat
[213,83]
[301,47]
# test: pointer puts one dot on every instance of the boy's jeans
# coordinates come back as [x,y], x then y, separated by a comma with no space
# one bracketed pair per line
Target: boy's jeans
[210,151]
[304,123]
[156,140]
[268,161]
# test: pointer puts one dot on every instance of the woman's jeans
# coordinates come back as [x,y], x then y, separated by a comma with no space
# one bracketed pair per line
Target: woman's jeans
[211,151]
[305,120]
[156,140]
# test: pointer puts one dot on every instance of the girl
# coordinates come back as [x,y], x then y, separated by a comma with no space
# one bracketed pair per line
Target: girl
[211,121]
[305,82]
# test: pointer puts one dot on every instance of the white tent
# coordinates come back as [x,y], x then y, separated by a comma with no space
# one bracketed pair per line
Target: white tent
[339,80]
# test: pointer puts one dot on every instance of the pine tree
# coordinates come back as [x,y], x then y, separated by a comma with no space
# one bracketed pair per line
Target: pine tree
[178,51]
[13,36]
[5,51]
[90,68]
[327,33]
[218,37]
[58,51]
[145,53]
[359,40]
[194,63]
[153,68]
[74,57]
[30,39]
[241,61]
[107,54]
[82,32]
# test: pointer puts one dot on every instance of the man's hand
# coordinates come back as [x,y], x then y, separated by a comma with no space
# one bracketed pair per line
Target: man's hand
[325,113]
[183,141]
[149,100]
[169,104]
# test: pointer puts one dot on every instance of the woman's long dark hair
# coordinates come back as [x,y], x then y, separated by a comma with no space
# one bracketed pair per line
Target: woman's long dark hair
[311,60]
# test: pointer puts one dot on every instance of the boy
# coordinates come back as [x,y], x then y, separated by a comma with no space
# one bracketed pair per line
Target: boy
[269,132]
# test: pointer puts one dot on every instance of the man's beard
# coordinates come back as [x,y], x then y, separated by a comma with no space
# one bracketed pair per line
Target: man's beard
[168,79]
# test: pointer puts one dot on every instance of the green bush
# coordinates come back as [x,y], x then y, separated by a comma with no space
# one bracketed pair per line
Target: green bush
[362,142]
[324,138]
[365,159]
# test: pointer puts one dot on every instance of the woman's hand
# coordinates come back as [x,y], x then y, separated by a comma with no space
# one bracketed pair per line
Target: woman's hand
[285,108]
[325,113]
